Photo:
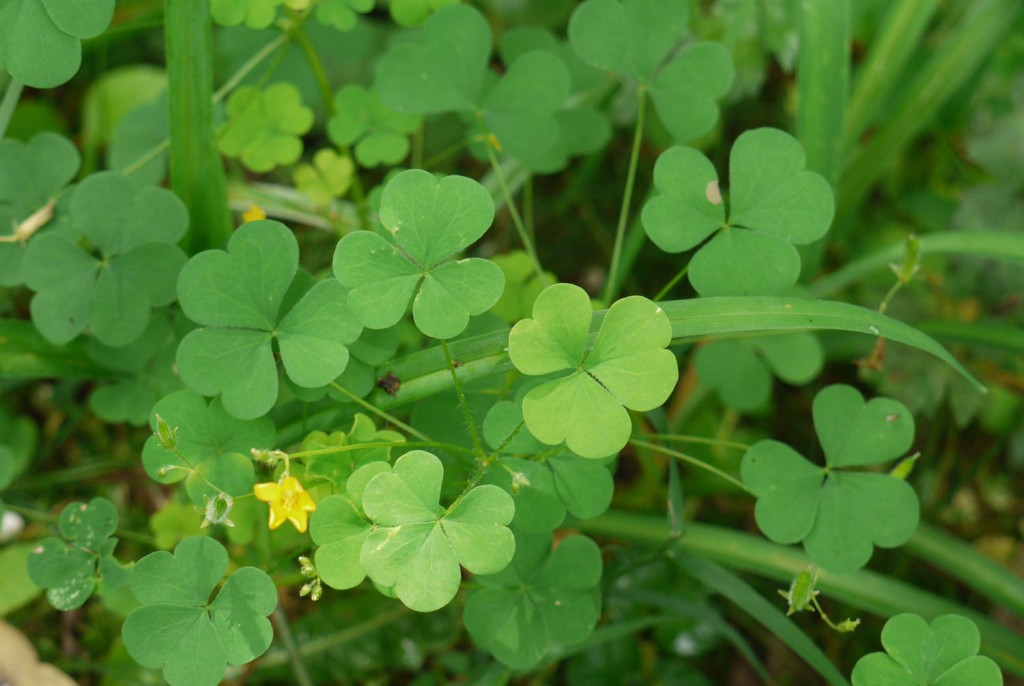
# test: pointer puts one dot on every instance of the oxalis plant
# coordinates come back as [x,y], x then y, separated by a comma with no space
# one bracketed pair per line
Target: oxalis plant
[305,382]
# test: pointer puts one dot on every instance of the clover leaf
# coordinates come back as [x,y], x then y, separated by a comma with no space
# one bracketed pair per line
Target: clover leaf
[741,369]
[522,285]
[256,14]
[133,229]
[416,546]
[179,630]
[210,446]
[544,598]
[264,126]
[66,567]
[146,367]
[31,175]
[340,527]
[634,38]
[237,297]
[338,465]
[342,14]
[431,74]
[627,367]
[838,514]
[775,204]
[414,12]
[41,40]
[327,178]
[379,133]
[428,221]
[944,654]
[545,485]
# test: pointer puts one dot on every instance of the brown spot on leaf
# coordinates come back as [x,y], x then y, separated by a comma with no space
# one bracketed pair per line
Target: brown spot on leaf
[712,193]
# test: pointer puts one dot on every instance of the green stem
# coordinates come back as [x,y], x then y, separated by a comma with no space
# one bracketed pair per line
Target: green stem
[672,284]
[7,105]
[517,220]
[249,65]
[612,283]
[302,454]
[700,464]
[284,631]
[682,438]
[197,175]
[470,423]
[327,95]
[380,413]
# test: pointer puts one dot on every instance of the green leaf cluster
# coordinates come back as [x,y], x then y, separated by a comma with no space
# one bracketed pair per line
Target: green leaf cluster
[41,40]
[427,222]
[637,39]
[390,520]
[337,456]
[264,126]
[378,133]
[838,514]
[774,204]
[31,176]
[67,567]
[180,630]
[545,599]
[125,263]
[626,367]
[244,301]
[943,653]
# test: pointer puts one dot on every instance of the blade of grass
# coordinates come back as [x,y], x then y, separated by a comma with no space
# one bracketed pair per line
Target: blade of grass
[978,34]
[956,558]
[823,76]
[739,592]
[990,244]
[866,590]
[197,175]
[898,38]
[11,96]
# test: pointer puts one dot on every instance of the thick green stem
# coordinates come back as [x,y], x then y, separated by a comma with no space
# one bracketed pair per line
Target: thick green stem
[197,175]
[611,286]
[7,105]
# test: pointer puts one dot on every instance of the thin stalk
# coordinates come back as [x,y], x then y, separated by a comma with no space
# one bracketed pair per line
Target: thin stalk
[249,65]
[682,438]
[672,284]
[700,464]
[197,174]
[7,105]
[327,95]
[470,423]
[284,631]
[334,450]
[517,220]
[612,283]
[380,413]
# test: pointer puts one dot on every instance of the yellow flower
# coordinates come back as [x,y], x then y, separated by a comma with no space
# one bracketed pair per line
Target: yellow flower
[288,500]
[254,214]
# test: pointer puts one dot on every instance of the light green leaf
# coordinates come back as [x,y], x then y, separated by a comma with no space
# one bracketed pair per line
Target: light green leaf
[378,132]
[626,366]
[256,14]
[342,14]
[327,178]
[416,547]
[264,126]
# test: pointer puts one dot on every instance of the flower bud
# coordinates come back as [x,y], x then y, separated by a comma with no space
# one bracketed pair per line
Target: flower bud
[165,435]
